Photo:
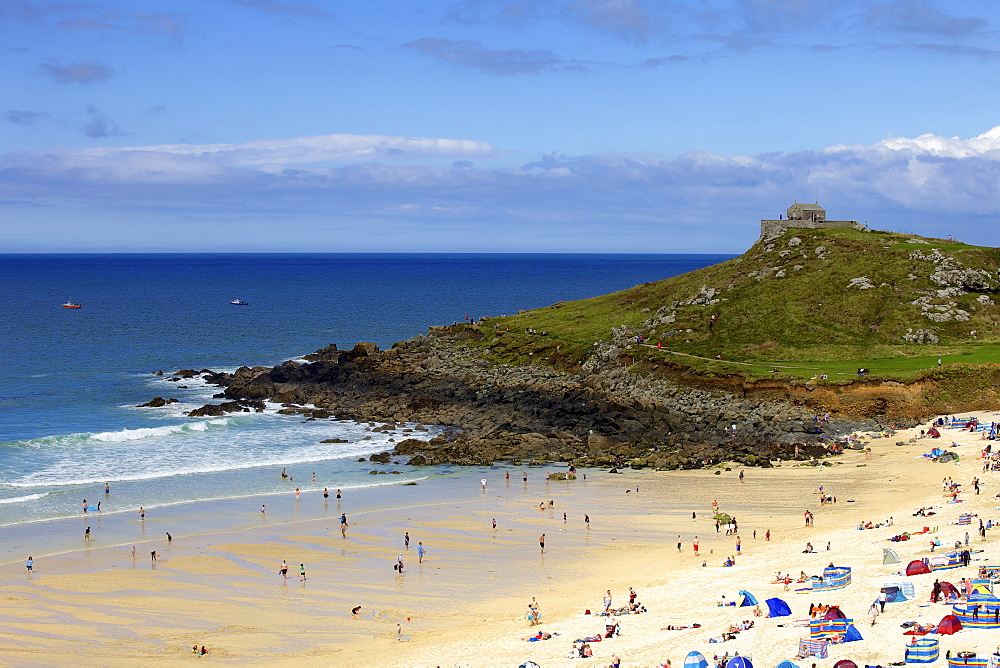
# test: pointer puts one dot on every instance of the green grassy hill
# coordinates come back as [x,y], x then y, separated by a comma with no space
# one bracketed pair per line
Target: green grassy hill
[810,302]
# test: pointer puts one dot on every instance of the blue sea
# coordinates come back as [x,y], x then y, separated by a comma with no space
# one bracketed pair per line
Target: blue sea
[71,379]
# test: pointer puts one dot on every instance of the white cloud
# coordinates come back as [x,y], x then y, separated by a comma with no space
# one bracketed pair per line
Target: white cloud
[698,201]
[180,162]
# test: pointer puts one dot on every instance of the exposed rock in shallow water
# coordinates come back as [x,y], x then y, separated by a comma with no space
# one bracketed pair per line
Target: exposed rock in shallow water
[240,406]
[157,402]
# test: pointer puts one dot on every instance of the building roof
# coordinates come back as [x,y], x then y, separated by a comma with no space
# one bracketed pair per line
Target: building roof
[808,207]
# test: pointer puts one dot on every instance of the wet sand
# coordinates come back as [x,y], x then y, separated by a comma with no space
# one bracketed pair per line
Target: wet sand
[465,604]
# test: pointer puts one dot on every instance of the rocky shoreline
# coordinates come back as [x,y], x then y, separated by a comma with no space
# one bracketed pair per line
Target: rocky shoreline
[601,415]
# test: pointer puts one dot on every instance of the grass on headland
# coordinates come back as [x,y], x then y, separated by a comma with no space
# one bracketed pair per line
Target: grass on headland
[791,302]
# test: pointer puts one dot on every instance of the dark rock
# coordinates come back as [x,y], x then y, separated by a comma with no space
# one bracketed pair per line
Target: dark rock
[157,403]
[336,440]
[227,407]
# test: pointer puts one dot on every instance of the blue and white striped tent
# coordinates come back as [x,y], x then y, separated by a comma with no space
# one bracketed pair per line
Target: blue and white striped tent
[897,592]
[695,660]
[923,650]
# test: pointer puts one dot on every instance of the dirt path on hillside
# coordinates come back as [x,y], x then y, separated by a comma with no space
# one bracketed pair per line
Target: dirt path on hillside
[715,359]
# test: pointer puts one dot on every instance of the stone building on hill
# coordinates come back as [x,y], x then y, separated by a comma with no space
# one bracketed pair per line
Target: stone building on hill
[803,216]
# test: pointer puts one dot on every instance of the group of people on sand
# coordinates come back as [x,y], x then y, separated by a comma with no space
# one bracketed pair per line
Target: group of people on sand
[817,611]
[730,633]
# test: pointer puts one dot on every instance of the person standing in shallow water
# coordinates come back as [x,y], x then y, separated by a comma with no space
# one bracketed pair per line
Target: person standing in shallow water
[541,542]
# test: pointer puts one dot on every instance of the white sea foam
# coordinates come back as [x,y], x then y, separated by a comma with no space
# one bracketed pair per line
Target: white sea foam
[235,443]
[22,499]
[155,432]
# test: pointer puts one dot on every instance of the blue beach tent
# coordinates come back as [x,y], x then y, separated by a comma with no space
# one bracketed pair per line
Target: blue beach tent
[746,598]
[777,608]
[695,660]
[787,664]
[852,634]
[739,662]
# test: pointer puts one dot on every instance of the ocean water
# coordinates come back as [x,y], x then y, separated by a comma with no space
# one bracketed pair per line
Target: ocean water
[71,379]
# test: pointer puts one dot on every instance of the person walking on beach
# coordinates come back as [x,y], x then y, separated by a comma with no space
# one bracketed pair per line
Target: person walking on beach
[296,493]
[142,514]
[152,555]
[483,483]
[169,537]
[525,476]
[338,493]
[541,542]
[494,524]
[283,571]
[406,540]
[678,543]
[586,520]
[607,601]
[326,493]
[133,552]
[738,543]
[420,552]
[767,535]
[85,507]
[107,488]
[302,572]
[30,564]
[263,509]
[86,534]
[696,546]
[741,477]
[343,525]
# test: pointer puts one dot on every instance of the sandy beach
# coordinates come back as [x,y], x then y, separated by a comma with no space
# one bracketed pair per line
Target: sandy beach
[465,604]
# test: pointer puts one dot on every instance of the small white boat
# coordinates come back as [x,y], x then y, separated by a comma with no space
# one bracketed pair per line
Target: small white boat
[72,305]
[238,302]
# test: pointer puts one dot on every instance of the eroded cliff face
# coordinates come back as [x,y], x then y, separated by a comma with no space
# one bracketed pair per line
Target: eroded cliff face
[953,391]
[502,413]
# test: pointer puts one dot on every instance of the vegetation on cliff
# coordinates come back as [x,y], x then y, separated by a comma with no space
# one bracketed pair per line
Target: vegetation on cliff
[807,304]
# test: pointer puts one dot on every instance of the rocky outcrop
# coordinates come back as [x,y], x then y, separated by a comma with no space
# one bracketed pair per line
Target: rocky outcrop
[530,414]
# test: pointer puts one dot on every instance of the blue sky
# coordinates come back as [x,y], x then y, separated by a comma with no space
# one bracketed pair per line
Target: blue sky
[524,125]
